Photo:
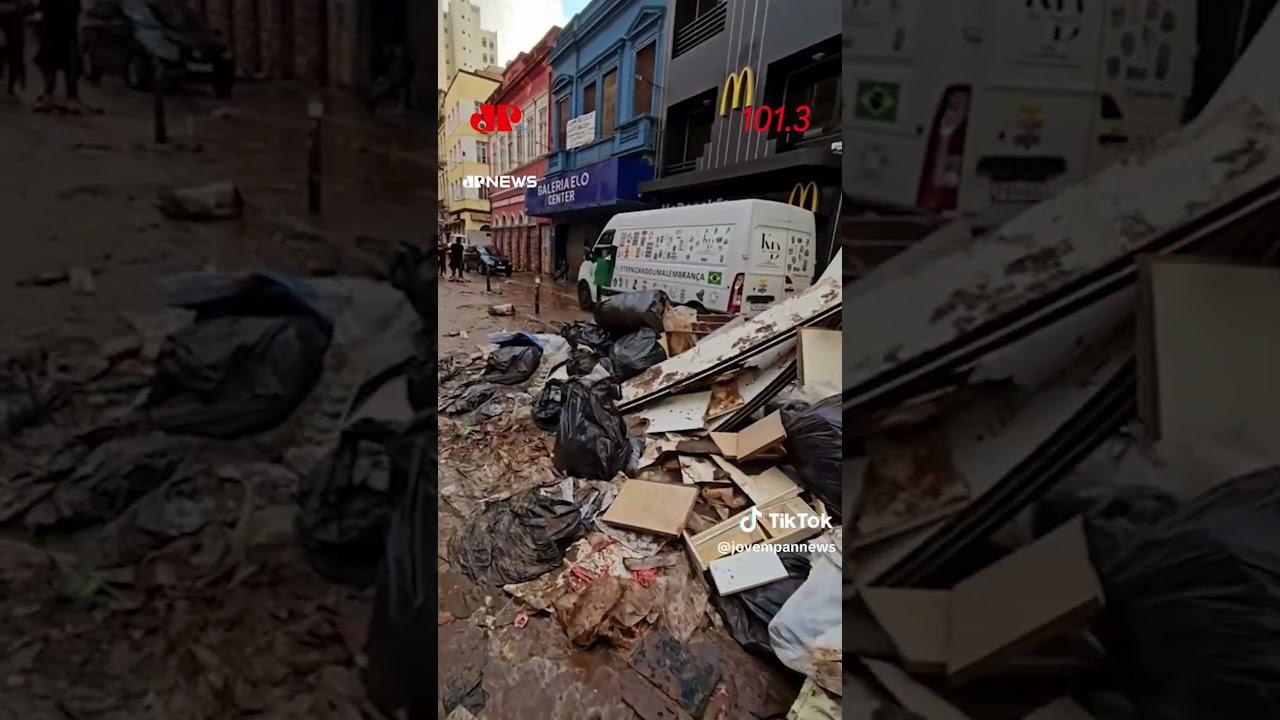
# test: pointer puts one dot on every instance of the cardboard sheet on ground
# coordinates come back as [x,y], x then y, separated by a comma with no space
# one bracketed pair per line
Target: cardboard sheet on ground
[746,570]
[661,508]
[766,487]
[753,440]
[675,414]
[1032,594]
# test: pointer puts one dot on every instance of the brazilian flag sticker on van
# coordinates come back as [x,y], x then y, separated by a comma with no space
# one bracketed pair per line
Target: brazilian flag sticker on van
[877,101]
[715,278]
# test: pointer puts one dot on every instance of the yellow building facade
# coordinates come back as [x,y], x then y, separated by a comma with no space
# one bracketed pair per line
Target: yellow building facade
[463,152]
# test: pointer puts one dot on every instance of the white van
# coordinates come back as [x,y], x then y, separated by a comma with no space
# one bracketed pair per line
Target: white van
[984,107]
[738,256]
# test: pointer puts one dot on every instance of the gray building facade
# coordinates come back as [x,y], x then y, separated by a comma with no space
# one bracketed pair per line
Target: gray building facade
[781,59]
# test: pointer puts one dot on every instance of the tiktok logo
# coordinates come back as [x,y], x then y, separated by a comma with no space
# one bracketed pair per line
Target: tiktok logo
[495,118]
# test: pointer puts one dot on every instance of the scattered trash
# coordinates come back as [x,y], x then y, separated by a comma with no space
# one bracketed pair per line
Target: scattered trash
[684,676]
[504,309]
[588,335]
[591,439]
[583,360]
[216,201]
[629,311]
[518,539]
[805,634]
[661,508]
[347,503]
[546,410]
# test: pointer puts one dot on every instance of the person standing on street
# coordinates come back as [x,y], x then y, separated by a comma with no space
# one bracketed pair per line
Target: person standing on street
[455,259]
[59,52]
[13,24]
[441,255]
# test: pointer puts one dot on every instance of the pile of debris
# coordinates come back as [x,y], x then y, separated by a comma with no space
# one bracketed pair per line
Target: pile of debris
[194,467]
[1061,479]
[680,445]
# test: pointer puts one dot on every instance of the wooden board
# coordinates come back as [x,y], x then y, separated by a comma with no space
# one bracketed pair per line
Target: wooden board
[661,508]
[761,435]
[783,535]
[1036,592]
[767,487]
[916,622]
[912,695]
[696,470]
[819,359]
[745,571]
[676,413]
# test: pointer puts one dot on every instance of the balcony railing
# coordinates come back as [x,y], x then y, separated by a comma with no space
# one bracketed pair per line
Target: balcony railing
[680,167]
[700,30]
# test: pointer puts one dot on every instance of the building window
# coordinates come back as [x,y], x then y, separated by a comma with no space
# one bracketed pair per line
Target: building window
[482,153]
[643,102]
[687,132]
[588,99]
[541,139]
[562,119]
[817,87]
[609,101]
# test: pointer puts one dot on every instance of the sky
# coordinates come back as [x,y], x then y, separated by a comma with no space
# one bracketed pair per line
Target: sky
[522,23]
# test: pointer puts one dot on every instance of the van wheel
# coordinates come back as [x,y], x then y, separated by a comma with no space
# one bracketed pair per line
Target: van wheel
[584,296]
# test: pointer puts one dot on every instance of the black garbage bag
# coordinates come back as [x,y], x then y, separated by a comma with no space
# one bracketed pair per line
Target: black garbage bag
[402,630]
[1192,613]
[513,364]
[347,502]
[633,354]
[815,435]
[1114,504]
[98,478]
[518,539]
[627,312]
[589,335]
[255,350]
[749,612]
[546,410]
[582,361]
[591,439]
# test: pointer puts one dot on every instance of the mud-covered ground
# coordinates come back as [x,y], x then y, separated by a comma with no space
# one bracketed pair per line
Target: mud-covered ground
[207,609]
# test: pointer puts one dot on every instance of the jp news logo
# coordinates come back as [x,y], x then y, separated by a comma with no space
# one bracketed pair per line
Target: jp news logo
[495,118]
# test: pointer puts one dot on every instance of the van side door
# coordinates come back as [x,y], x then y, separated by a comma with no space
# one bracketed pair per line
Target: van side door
[605,254]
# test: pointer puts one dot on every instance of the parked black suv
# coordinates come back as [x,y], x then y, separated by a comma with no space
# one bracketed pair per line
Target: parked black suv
[126,37]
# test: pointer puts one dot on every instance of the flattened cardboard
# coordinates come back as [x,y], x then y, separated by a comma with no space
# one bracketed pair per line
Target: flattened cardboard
[753,441]
[913,696]
[818,359]
[916,621]
[1036,592]
[661,508]
[767,487]
[745,571]
[780,533]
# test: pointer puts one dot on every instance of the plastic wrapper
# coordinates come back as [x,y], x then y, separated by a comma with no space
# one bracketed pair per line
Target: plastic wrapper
[591,439]
[633,354]
[627,312]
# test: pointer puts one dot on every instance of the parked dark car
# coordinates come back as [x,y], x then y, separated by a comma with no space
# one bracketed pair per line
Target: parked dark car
[484,260]
[127,37]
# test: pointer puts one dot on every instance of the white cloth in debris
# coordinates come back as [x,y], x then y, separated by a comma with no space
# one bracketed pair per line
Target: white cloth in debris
[810,620]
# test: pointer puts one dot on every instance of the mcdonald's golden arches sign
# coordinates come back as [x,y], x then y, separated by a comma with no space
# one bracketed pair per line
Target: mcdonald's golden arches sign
[805,193]
[739,90]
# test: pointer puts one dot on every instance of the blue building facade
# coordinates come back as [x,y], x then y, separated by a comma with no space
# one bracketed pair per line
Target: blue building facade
[608,60]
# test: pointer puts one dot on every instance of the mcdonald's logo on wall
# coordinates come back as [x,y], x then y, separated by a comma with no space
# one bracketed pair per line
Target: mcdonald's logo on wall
[733,96]
[805,193]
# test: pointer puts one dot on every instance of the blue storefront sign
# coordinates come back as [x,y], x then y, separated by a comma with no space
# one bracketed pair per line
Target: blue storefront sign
[602,184]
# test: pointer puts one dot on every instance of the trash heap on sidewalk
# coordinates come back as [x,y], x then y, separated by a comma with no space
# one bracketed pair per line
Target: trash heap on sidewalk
[193,466]
[640,455]
[1062,497]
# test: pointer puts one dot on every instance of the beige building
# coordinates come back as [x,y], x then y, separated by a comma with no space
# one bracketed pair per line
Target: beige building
[462,44]
[464,152]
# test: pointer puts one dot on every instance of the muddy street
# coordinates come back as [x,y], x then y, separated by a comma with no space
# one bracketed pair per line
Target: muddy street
[152,564]
[464,308]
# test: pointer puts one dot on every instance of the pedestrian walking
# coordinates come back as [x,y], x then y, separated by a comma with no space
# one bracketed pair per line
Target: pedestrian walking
[13,18]
[59,53]
[455,259]
[441,256]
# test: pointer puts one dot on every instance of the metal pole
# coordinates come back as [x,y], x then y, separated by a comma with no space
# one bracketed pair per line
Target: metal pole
[487,274]
[314,168]
[161,127]
[537,296]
